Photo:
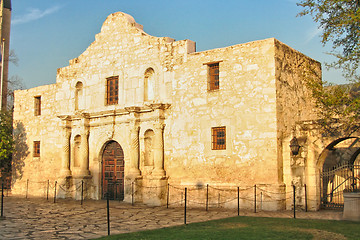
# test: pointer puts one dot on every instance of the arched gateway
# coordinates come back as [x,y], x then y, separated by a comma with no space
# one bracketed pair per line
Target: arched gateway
[340,171]
[113,171]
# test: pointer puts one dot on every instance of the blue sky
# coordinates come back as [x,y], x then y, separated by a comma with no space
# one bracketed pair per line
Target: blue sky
[46,34]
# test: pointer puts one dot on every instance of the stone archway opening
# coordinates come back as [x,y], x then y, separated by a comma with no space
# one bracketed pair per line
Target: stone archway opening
[113,167]
[340,171]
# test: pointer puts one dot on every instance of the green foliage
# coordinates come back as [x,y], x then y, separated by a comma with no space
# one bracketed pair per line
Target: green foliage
[253,228]
[6,139]
[340,22]
[338,107]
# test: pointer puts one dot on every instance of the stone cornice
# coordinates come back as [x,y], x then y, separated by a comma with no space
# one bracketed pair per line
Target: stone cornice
[162,106]
[65,117]
[116,112]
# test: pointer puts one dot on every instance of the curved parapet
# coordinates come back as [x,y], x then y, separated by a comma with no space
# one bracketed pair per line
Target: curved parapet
[118,18]
[122,41]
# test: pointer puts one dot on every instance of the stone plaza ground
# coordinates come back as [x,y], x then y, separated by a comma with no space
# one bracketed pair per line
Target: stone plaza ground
[68,219]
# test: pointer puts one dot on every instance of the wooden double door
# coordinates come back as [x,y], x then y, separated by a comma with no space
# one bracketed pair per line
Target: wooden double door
[113,171]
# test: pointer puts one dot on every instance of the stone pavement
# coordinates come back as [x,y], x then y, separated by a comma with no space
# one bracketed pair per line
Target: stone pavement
[67,219]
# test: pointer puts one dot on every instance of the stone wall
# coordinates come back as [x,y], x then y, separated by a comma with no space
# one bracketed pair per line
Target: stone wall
[245,104]
[294,105]
[260,98]
[29,128]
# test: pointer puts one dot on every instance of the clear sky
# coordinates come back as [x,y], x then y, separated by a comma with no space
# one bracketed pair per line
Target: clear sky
[46,34]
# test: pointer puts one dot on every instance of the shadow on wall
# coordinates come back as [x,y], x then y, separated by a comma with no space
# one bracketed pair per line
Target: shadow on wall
[20,153]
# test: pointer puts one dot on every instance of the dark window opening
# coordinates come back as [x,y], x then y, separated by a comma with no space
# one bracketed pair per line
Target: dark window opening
[37,106]
[36,152]
[112,90]
[213,83]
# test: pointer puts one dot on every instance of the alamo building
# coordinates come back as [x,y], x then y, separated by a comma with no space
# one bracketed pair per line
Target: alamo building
[140,118]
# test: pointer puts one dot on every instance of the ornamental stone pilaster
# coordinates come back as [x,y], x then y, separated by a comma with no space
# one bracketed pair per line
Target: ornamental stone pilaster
[84,147]
[134,151]
[66,134]
[65,169]
[134,170]
[159,150]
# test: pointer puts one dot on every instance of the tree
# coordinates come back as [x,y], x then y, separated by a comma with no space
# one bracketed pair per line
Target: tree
[6,140]
[340,24]
[14,83]
[338,106]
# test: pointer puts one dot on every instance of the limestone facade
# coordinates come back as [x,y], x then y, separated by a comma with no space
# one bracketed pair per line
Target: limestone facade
[164,119]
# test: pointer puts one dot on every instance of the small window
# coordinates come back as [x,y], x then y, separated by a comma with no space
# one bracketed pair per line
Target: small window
[36,152]
[218,138]
[37,106]
[79,96]
[213,70]
[149,84]
[112,90]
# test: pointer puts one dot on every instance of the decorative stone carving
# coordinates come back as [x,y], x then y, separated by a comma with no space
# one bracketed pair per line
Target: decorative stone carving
[66,134]
[84,147]
[65,170]
[159,150]
[134,151]
[297,162]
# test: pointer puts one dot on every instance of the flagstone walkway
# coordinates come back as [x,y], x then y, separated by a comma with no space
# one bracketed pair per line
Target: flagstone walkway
[67,219]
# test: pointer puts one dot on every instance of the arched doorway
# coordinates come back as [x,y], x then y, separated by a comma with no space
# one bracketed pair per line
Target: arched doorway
[340,171]
[113,171]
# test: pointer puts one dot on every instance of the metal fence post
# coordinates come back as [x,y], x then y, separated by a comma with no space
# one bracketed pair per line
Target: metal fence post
[47,190]
[185,206]
[255,198]
[132,193]
[108,212]
[207,197]
[2,199]
[82,192]
[238,200]
[294,200]
[55,192]
[305,199]
[167,197]
[27,188]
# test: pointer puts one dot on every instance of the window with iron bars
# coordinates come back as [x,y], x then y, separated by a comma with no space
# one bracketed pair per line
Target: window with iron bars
[218,141]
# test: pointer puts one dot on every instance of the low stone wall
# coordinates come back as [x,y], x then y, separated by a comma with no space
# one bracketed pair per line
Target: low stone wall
[351,206]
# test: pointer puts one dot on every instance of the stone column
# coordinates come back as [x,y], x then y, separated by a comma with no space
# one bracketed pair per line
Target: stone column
[84,148]
[65,155]
[159,150]
[65,170]
[134,151]
[84,154]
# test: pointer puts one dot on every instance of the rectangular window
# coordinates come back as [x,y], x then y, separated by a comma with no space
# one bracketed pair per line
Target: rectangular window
[213,83]
[37,106]
[218,138]
[112,90]
[36,152]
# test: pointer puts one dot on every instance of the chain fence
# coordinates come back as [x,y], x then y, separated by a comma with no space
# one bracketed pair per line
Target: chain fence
[207,196]
[186,197]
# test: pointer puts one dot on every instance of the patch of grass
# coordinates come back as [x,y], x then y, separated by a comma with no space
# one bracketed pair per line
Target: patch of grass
[253,228]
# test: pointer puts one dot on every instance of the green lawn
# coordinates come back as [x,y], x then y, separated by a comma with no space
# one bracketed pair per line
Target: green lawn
[253,228]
